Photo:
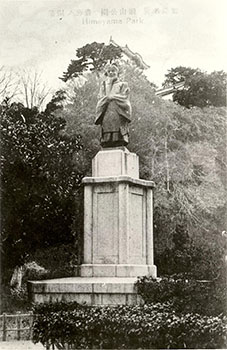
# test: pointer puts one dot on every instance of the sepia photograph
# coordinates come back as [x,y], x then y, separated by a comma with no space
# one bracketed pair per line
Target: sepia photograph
[113,177]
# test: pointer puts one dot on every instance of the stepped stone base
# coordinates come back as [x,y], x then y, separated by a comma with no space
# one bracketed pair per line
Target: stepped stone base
[89,290]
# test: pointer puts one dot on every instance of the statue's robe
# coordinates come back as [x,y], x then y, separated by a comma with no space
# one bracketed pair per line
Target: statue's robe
[113,113]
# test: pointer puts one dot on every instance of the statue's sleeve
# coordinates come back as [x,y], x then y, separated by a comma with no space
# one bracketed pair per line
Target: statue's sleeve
[102,90]
[123,92]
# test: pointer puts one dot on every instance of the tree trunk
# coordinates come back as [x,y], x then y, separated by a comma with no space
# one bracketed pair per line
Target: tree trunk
[167,163]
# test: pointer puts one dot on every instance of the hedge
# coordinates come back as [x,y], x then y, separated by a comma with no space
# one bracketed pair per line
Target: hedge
[154,326]
[185,294]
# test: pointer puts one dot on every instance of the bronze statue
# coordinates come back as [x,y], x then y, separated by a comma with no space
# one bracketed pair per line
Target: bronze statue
[113,109]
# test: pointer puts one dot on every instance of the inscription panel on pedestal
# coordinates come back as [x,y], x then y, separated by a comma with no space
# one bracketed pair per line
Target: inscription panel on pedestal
[137,229]
[105,234]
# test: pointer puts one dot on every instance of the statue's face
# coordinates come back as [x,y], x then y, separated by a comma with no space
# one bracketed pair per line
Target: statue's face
[111,72]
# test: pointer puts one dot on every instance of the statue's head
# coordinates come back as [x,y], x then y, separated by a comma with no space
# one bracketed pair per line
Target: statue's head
[111,70]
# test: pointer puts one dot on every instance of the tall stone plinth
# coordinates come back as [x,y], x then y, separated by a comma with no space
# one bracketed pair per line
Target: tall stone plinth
[115,162]
[118,236]
[118,227]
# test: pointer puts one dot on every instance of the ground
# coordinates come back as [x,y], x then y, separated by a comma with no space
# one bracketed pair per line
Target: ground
[20,345]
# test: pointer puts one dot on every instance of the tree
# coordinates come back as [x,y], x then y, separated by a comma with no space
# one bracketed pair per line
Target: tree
[26,86]
[56,101]
[38,181]
[200,88]
[91,57]
[79,113]
[8,84]
[33,91]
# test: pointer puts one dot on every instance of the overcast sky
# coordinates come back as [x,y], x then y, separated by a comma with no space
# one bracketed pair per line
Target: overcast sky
[45,35]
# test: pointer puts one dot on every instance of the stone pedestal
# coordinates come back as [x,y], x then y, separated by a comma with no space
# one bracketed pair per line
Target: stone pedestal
[118,227]
[118,235]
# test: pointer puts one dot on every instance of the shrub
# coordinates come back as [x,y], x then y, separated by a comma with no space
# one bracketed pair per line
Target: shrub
[46,263]
[202,258]
[32,271]
[185,293]
[128,327]
[14,300]
[60,261]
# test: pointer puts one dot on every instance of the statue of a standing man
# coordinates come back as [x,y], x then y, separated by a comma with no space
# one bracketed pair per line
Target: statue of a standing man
[113,109]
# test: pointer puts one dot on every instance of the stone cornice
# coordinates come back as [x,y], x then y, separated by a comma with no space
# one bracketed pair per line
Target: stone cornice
[117,179]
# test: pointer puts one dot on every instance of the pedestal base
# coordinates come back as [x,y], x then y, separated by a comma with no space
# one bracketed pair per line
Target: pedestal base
[89,290]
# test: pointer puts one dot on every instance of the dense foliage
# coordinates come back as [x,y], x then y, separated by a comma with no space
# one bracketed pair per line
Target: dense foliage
[155,326]
[38,182]
[185,294]
[200,88]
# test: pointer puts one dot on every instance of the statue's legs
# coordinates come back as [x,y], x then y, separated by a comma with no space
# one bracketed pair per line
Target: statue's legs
[114,127]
